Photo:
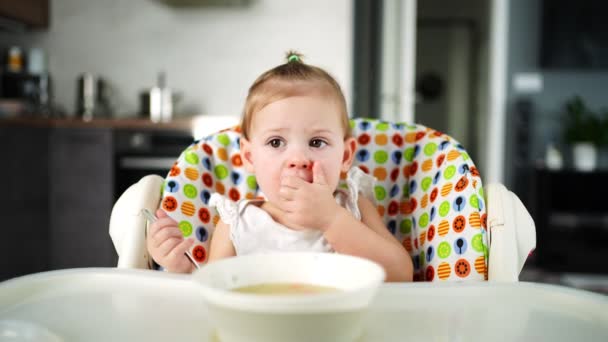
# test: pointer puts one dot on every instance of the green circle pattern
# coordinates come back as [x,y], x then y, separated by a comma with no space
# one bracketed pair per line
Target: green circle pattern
[429,149]
[405,227]
[186,228]
[190,191]
[223,139]
[449,172]
[191,157]
[474,201]
[382,126]
[408,154]
[380,192]
[426,183]
[477,243]
[424,220]
[221,171]
[444,250]
[252,182]
[444,208]
[380,157]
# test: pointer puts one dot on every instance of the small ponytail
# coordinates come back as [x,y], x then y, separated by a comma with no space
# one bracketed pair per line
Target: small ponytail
[294,57]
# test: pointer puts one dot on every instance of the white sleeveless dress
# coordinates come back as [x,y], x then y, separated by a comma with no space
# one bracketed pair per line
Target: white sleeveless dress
[253,230]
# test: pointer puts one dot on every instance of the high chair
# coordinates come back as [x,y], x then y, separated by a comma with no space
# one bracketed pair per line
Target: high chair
[428,192]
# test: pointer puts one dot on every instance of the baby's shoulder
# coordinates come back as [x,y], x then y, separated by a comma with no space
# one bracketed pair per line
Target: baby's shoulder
[226,208]
[230,211]
[358,182]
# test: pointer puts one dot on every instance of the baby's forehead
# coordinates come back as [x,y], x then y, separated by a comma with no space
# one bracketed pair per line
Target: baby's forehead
[277,90]
[303,124]
[289,129]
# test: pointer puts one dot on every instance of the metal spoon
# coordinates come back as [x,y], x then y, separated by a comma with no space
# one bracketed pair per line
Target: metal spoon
[151,218]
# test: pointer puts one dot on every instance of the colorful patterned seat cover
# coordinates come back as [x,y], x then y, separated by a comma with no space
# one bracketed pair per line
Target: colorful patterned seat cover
[428,192]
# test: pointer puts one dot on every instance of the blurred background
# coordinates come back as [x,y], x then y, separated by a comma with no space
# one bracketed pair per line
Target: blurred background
[95,94]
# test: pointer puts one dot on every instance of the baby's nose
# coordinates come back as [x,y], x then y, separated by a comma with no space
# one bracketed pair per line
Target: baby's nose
[299,164]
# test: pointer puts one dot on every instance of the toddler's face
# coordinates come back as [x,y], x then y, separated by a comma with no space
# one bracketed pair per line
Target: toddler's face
[289,135]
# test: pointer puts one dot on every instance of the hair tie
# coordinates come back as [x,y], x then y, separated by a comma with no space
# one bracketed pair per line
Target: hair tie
[293,58]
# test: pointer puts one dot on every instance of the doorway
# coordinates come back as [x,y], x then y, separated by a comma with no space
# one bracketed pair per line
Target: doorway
[463,93]
[445,82]
[433,66]
[451,66]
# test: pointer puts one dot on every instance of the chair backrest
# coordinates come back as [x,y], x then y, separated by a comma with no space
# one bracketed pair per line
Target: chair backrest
[428,192]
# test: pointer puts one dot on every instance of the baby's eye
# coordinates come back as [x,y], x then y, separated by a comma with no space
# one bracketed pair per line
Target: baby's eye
[275,143]
[317,143]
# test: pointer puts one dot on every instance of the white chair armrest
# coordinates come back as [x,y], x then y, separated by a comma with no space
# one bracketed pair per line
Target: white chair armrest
[511,233]
[128,226]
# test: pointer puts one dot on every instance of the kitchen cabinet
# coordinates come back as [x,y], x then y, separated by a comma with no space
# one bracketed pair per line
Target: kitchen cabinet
[81,197]
[31,13]
[571,221]
[24,225]
[60,179]
[57,196]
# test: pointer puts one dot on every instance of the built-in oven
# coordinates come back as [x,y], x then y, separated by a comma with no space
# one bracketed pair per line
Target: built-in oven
[143,152]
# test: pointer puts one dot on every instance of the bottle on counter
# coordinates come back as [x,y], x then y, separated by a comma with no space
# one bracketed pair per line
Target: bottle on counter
[85,96]
[14,61]
[157,102]
[37,85]
[93,97]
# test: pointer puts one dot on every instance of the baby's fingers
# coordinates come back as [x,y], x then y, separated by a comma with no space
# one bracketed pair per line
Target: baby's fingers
[161,213]
[166,248]
[287,206]
[287,193]
[176,255]
[292,182]
[177,260]
[165,222]
[276,211]
[165,234]
[183,247]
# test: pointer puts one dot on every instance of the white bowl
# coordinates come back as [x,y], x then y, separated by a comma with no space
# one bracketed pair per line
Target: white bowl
[330,316]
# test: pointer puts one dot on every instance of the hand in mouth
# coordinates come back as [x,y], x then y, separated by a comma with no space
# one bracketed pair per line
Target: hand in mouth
[304,174]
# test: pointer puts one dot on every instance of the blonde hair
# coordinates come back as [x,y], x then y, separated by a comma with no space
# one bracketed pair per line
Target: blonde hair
[293,78]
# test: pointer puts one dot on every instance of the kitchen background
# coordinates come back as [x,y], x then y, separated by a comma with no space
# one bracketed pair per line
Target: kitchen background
[207,52]
[210,52]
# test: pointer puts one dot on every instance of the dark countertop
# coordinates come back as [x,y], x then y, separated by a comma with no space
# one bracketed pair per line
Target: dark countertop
[198,125]
[181,124]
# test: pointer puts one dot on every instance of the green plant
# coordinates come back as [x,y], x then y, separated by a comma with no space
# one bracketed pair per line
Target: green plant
[603,139]
[583,125]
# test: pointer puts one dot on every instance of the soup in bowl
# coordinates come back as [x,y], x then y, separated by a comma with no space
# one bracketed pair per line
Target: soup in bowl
[289,296]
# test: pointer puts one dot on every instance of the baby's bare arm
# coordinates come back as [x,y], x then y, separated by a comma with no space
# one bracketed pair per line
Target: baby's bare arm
[221,246]
[369,238]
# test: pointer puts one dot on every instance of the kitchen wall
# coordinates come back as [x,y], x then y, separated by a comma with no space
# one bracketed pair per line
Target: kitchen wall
[558,86]
[211,54]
